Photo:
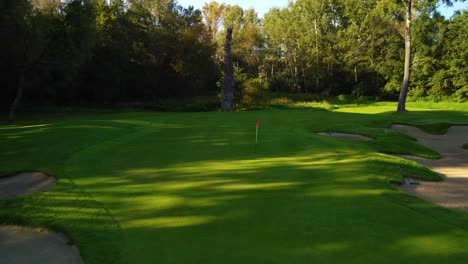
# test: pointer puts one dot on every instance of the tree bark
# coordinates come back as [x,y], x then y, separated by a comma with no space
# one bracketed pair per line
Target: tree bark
[317,79]
[19,95]
[228,86]
[406,77]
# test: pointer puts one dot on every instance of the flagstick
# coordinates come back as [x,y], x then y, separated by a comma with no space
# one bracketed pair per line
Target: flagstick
[256,134]
[257,125]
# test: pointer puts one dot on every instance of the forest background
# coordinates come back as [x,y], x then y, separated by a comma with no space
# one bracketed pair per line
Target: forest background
[161,55]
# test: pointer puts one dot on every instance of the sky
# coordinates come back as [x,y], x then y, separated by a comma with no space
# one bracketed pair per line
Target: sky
[262,6]
[448,11]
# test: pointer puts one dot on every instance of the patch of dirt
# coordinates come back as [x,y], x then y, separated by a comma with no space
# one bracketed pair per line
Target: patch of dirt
[25,183]
[22,245]
[452,192]
[345,136]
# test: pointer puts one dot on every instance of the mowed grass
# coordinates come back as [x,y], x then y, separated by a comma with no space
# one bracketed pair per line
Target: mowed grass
[138,187]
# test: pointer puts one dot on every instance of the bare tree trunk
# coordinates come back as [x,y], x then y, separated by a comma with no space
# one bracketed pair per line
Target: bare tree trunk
[406,77]
[19,95]
[317,79]
[355,75]
[228,86]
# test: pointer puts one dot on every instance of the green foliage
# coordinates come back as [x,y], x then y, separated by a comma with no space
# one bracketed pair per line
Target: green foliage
[254,94]
[212,12]
[142,51]
[465,146]
[439,63]
[87,52]
[331,47]
[455,57]
[247,40]
[344,97]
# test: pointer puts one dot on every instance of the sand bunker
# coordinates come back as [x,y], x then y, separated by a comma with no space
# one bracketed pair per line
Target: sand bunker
[22,245]
[452,192]
[345,136]
[24,183]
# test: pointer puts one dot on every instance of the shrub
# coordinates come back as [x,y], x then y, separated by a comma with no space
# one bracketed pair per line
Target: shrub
[344,97]
[254,94]
[281,101]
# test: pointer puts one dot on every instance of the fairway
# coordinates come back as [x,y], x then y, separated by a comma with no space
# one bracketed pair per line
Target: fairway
[143,187]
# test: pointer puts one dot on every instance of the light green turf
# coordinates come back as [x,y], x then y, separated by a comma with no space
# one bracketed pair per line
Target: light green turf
[193,187]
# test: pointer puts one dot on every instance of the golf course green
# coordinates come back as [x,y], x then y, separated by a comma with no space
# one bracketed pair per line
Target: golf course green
[146,187]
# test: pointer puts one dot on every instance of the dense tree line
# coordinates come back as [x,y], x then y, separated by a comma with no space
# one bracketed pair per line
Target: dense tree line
[358,47]
[90,51]
[96,51]
[349,47]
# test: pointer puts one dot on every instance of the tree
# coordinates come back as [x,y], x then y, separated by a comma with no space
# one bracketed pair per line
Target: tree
[304,38]
[407,71]
[410,8]
[212,13]
[160,10]
[28,41]
[358,42]
[228,87]
[92,51]
[279,44]
[427,55]
[13,30]
[451,80]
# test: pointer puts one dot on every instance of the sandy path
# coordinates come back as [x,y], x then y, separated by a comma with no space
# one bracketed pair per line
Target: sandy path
[345,136]
[24,183]
[452,192]
[22,245]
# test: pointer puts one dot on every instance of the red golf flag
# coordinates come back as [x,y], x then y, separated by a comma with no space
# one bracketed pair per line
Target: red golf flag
[258,123]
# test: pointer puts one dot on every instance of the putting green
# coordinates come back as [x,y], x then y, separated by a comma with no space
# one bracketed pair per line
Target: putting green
[194,188]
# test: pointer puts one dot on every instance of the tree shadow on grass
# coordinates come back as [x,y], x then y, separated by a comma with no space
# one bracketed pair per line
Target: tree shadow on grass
[68,210]
[310,212]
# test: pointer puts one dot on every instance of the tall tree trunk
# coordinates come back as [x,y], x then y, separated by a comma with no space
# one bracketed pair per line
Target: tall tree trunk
[317,79]
[355,75]
[228,86]
[406,77]
[19,95]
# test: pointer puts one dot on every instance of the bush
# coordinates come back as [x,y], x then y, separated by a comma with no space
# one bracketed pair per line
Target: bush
[393,86]
[254,94]
[344,97]
[281,101]
[461,95]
